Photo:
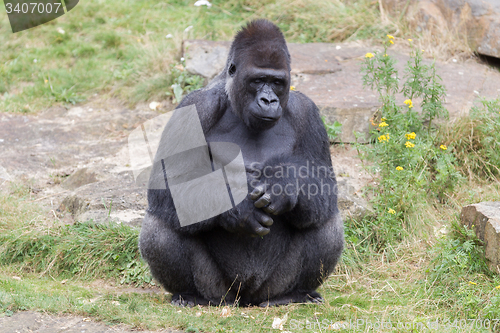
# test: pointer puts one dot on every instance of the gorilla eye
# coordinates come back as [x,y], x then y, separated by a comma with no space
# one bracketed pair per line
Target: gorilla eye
[257,81]
[278,82]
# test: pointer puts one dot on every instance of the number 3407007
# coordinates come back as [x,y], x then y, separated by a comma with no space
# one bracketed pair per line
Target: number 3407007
[33,8]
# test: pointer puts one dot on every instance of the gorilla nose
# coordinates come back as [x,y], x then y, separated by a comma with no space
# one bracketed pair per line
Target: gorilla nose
[267,101]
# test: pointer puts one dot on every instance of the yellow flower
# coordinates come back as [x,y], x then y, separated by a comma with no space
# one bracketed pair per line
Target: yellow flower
[390,41]
[399,168]
[410,40]
[369,55]
[411,135]
[383,119]
[46,80]
[423,51]
[292,88]
[443,147]
[383,124]
[392,211]
[386,55]
[390,37]
[473,283]
[497,287]
[408,144]
[409,103]
[383,138]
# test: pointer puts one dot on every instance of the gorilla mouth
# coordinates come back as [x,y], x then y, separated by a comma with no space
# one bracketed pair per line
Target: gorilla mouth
[266,119]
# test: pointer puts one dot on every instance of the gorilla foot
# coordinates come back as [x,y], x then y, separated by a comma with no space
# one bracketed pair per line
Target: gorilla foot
[294,297]
[188,300]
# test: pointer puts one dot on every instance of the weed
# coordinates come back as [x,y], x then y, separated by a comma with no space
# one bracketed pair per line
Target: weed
[476,141]
[411,163]
[183,82]
[332,129]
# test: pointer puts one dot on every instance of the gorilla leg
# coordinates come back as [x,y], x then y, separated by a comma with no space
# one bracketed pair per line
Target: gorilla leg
[320,250]
[182,265]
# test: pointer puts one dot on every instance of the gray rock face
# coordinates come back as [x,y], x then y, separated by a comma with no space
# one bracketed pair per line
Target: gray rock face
[479,20]
[330,75]
[485,217]
[205,58]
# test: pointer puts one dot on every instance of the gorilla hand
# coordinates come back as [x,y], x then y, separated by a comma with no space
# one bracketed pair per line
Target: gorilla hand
[246,219]
[275,195]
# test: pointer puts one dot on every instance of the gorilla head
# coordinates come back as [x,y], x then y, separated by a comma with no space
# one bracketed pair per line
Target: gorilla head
[258,75]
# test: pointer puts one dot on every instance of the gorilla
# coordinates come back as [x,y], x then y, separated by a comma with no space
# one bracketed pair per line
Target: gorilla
[281,242]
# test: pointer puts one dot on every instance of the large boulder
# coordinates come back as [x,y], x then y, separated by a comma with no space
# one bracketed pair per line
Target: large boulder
[478,20]
[484,217]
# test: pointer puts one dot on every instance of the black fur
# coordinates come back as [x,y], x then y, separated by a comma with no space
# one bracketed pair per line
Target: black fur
[238,256]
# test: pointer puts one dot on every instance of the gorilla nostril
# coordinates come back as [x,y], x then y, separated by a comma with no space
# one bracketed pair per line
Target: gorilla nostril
[265,101]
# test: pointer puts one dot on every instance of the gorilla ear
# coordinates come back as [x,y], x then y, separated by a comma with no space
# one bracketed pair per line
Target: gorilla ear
[232,70]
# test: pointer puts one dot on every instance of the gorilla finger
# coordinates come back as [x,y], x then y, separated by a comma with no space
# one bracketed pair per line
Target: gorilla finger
[257,228]
[263,219]
[257,192]
[270,209]
[264,201]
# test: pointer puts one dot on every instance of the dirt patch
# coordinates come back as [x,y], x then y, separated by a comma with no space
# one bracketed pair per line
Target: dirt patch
[30,321]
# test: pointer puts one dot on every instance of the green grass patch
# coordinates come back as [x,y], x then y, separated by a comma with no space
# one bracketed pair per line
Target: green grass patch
[83,250]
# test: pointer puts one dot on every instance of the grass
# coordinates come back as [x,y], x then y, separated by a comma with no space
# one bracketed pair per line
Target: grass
[120,48]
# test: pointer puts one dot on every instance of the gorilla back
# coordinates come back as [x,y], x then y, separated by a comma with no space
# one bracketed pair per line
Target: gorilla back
[283,240]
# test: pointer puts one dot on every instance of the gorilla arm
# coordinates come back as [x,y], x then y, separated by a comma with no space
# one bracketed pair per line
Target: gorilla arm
[302,188]
[245,217]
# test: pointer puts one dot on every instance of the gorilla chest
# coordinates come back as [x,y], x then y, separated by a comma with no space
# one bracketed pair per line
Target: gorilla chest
[257,146]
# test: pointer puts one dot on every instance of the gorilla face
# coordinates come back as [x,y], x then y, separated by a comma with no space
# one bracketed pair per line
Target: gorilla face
[258,93]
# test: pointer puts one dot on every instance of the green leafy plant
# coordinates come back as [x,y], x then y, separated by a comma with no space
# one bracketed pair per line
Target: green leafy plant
[333,130]
[183,82]
[411,163]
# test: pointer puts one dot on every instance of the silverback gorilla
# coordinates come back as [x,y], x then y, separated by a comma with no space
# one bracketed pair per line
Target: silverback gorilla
[283,240]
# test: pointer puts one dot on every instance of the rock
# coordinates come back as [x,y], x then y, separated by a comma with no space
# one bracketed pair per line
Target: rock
[350,206]
[485,217]
[90,138]
[79,178]
[479,20]
[336,85]
[71,204]
[351,179]
[205,58]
